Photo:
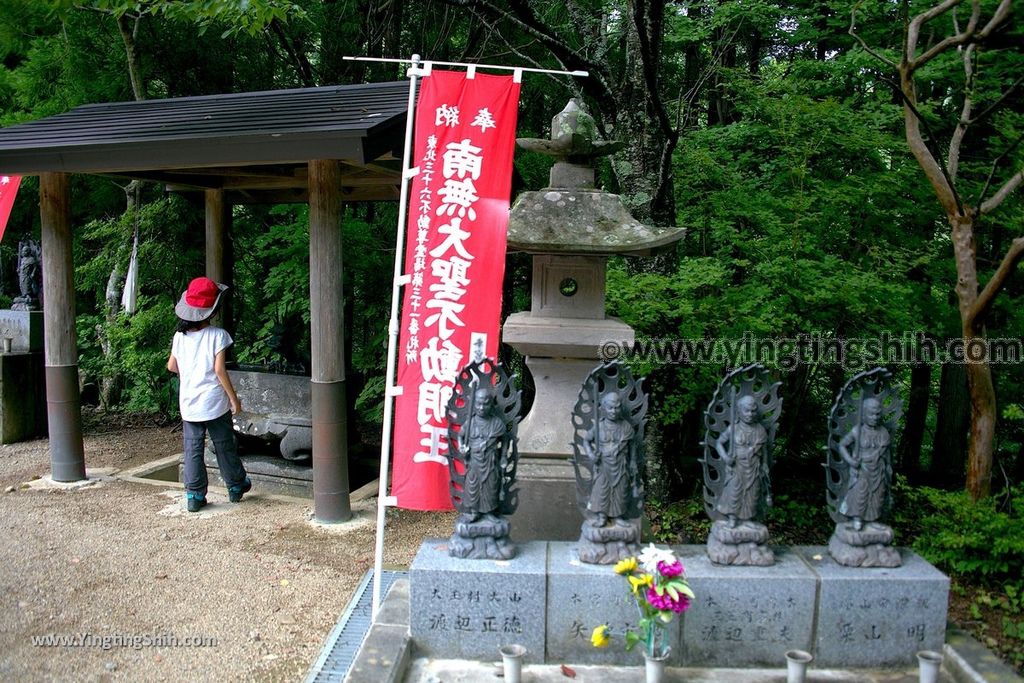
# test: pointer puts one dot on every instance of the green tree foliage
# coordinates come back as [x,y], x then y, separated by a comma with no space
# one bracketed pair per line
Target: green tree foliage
[781,138]
[762,127]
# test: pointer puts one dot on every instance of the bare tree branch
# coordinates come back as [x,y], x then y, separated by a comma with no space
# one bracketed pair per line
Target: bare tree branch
[953,158]
[995,165]
[703,78]
[998,17]
[955,40]
[1003,192]
[995,105]
[914,28]
[646,27]
[853,32]
[969,34]
[132,55]
[937,174]
[561,80]
[298,57]
[945,189]
[522,15]
[979,310]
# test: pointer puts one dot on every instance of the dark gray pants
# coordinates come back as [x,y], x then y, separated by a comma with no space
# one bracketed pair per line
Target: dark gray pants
[224,445]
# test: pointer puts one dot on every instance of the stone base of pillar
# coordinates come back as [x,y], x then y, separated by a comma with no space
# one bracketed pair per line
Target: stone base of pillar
[64,419]
[560,353]
[330,453]
[547,501]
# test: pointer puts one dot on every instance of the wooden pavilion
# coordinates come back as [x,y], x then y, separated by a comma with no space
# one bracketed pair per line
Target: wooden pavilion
[324,146]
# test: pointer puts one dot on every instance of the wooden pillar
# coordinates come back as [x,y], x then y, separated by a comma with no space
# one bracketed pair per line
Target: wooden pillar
[330,435]
[63,408]
[219,264]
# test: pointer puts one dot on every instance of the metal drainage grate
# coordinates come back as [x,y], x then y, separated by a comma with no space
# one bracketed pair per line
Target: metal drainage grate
[343,643]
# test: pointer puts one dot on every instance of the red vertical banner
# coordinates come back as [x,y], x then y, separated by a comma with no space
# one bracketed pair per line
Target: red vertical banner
[455,257]
[8,191]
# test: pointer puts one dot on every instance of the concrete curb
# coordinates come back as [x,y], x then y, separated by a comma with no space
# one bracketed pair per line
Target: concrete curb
[971,662]
[386,653]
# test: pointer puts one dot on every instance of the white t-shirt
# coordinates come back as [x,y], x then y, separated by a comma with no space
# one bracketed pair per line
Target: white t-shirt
[200,395]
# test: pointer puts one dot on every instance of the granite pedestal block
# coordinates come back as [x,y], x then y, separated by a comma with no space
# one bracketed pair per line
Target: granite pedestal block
[24,329]
[877,616]
[22,397]
[583,596]
[747,616]
[469,608]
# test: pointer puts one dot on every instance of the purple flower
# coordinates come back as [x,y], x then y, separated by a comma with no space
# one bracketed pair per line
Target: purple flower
[662,602]
[666,603]
[670,570]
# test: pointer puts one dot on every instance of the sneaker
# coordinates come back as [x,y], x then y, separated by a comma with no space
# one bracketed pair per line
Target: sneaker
[235,493]
[195,501]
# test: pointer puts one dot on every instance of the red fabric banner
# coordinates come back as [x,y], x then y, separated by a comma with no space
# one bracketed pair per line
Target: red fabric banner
[455,257]
[8,191]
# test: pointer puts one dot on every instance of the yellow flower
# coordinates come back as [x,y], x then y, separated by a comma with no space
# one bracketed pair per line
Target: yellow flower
[599,638]
[625,566]
[637,582]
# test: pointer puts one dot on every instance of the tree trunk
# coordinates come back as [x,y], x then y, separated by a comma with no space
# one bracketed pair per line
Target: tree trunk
[979,375]
[916,418]
[952,423]
[974,303]
[983,429]
[644,168]
[795,425]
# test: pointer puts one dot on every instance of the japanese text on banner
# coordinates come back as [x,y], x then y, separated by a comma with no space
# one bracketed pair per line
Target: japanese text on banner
[465,132]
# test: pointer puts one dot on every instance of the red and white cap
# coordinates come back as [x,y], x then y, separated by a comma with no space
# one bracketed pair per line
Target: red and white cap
[199,301]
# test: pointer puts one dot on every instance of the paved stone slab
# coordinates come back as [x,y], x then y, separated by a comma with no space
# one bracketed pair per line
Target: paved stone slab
[583,596]
[877,616]
[383,657]
[395,607]
[747,616]
[423,670]
[972,662]
[469,608]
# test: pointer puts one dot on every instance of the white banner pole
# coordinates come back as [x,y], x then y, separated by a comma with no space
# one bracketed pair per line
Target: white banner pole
[400,279]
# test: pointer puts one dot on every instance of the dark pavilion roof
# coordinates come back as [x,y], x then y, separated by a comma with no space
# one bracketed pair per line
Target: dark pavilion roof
[254,145]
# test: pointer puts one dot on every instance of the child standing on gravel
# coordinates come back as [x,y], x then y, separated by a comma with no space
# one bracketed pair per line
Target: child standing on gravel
[206,396]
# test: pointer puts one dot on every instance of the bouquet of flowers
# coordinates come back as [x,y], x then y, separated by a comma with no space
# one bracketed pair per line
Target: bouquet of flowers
[658,586]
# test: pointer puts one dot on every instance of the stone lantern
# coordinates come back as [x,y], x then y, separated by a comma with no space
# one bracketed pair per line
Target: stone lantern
[571,228]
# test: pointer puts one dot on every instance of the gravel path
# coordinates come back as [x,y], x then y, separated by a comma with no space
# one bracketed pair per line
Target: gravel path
[123,561]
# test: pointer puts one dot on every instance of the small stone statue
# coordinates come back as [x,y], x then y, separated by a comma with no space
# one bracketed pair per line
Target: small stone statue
[861,425]
[609,420]
[483,417]
[30,276]
[740,426]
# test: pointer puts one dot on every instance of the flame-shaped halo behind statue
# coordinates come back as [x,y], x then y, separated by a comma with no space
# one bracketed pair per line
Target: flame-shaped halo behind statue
[485,373]
[755,381]
[848,412]
[602,380]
